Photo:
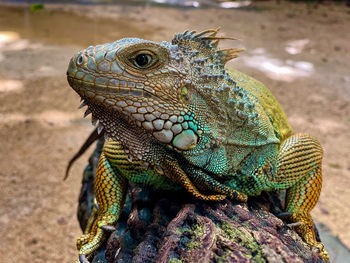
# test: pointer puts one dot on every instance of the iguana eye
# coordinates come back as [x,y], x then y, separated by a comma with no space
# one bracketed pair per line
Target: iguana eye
[143,60]
[80,60]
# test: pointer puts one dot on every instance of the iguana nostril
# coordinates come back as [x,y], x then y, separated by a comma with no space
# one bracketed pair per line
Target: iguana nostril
[80,60]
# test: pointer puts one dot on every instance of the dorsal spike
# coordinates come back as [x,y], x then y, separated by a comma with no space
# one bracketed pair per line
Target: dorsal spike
[212,32]
[209,34]
[215,43]
[215,32]
[217,38]
[205,44]
[230,53]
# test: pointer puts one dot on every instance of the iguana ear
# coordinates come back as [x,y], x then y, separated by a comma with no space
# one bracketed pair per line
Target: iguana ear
[205,42]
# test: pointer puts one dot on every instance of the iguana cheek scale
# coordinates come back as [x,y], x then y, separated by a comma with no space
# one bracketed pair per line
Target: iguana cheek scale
[173,116]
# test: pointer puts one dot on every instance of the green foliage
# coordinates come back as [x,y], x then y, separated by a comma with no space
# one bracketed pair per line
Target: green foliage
[36,7]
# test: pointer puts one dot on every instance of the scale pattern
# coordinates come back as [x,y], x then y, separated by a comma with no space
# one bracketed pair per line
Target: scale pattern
[174,117]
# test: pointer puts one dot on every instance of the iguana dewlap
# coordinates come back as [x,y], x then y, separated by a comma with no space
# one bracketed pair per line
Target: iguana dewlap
[174,116]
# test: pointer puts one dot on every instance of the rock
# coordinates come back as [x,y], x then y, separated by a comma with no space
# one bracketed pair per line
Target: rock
[163,226]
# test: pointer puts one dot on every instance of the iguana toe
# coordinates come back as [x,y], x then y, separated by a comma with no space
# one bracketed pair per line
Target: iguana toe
[291,225]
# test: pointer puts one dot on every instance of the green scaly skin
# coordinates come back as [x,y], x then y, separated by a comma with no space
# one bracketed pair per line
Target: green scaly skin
[173,116]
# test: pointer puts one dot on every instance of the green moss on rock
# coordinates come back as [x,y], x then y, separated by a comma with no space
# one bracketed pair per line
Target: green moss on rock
[245,239]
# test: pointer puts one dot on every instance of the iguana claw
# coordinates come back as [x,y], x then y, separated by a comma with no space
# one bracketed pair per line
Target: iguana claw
[284,215]
[108,228]
[83,259]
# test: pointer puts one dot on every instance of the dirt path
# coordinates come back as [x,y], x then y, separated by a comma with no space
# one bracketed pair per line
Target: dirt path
[302,55]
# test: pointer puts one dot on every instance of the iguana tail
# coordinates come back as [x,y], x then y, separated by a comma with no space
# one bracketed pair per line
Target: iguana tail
[94,136]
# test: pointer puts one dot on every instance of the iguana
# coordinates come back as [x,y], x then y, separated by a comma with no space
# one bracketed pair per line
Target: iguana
[174,117]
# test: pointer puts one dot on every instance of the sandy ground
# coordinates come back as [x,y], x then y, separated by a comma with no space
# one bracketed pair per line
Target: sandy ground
[302,54]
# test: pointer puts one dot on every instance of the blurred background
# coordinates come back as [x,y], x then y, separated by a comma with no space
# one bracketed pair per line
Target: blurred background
[300,50]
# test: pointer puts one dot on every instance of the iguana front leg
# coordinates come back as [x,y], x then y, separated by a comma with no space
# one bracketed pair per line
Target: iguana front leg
[299,171]
[173,170]
[110,190]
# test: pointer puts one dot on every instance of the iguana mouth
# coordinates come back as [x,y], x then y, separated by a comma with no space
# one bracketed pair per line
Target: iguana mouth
[114,87]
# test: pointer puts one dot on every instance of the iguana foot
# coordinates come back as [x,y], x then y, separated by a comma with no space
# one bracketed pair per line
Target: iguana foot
[304,226]
[319,249]
[195,177]
[88,243]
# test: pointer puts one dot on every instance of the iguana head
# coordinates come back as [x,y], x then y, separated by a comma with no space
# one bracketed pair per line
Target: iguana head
[147,91]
